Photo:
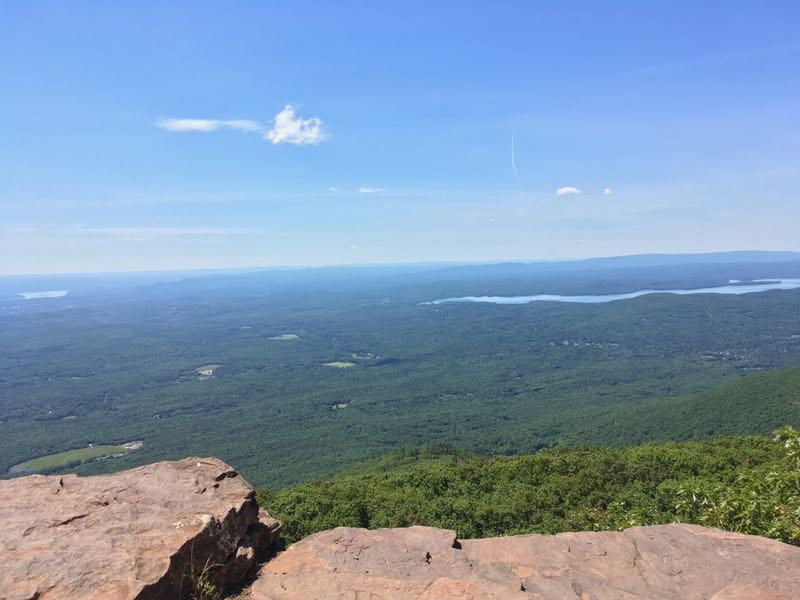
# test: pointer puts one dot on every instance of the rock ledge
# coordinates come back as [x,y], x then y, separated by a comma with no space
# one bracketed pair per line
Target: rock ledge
[664,562]
[150,532]
[140,534]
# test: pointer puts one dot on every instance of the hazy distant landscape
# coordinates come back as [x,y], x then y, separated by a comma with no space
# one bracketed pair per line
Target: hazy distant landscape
[297,374]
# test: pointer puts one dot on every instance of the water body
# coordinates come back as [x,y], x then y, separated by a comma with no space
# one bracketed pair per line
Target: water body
[47,294]
[735,287]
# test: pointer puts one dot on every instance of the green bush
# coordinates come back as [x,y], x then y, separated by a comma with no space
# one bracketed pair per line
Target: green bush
[746,484]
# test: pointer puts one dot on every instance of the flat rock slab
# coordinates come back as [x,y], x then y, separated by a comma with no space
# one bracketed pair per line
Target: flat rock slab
[139,534]
[664,562]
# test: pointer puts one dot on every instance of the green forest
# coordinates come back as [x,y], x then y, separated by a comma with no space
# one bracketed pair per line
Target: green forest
[743,484]
[346,400]
[315,371]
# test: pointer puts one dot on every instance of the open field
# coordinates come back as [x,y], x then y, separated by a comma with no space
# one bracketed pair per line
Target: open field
[206,371]
[70,457]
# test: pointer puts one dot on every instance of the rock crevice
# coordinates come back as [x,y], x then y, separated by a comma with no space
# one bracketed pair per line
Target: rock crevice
[142,534]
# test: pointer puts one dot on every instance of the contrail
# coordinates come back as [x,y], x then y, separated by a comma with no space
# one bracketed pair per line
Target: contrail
[513,162]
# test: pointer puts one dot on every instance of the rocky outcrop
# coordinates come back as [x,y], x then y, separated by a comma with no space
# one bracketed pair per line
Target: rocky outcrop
[166,530]
[155,532]
[665,562]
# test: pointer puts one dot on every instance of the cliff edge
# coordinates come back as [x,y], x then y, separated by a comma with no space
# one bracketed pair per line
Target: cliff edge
[662,562]
[155,532]
[188,528]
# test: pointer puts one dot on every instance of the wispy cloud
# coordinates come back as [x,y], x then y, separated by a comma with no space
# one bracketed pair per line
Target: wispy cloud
[132,232]
[206,125]
[370,190]
[567,191]
[607,191]
[513,158]
[713,60]
[287,128]
[163,231]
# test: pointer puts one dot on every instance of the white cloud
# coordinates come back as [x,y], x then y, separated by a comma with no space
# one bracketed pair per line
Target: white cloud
[370,190]
[289,129]
[162,231]
[333,189]
[606,191]
[567,191]
[205,125]
[242,124]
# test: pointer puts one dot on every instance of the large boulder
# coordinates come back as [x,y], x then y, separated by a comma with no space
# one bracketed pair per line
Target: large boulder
[155,532]
[665,562]
[175,529]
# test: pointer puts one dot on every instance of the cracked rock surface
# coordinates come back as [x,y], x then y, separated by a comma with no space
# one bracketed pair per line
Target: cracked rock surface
[663,562]
[139,534]
[145,533]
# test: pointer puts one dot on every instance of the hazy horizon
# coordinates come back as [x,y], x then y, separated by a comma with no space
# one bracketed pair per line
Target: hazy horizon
[420,263]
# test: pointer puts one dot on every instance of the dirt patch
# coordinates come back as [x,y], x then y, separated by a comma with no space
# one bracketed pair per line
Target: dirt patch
[206,371]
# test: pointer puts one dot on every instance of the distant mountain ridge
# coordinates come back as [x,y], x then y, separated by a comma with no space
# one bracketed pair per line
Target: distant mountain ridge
[628,260]
[749,256]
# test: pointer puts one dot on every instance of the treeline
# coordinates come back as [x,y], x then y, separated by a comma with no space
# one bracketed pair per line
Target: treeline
[744,484]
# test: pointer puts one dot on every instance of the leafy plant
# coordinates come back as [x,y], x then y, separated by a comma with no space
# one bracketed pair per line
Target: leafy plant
[765,501]
[745,484]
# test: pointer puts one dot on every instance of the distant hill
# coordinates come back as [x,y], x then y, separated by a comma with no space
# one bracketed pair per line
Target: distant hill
[651,260]
[755,404]
[512,267]
[201,279]
[735,482]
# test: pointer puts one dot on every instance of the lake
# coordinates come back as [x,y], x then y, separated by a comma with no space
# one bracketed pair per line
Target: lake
[47,294]
[734,287]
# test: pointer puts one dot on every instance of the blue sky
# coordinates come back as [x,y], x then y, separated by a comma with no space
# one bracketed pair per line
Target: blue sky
[161,135]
